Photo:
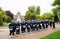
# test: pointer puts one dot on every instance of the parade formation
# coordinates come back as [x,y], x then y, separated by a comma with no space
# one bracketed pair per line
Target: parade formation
[29,26]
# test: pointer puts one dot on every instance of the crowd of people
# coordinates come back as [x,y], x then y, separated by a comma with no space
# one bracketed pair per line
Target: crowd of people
[28,26]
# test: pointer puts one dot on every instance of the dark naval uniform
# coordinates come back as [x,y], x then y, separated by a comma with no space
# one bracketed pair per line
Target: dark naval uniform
[43,24]
[33,25]
[37,25]
[11,29]
[46,23]
[40,25]
[53,24]
[23,27]
[14,24]
[28,26]
[17,28]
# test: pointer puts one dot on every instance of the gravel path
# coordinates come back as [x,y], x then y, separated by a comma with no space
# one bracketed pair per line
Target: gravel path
[4,33]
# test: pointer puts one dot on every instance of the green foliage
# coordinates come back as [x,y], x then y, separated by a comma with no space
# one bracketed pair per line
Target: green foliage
[38,17]
[34,9]
[1,21]
[30,16]
[58,16]
[56,2]
[31,9]
[33,16]
[5,18]
[27,17]
[8,19]
[38,10]
[47,15]
[55,35]
[56,11]
[5,24]
[32,12]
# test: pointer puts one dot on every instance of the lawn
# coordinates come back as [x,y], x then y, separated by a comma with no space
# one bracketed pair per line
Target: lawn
[5,25]
[55,35]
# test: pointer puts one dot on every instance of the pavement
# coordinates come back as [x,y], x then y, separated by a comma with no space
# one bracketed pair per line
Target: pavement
[4,33]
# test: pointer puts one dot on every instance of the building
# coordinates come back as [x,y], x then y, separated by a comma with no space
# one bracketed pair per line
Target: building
[18,17]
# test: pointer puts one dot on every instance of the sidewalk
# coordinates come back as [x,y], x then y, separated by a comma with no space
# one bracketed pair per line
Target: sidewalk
[30,35]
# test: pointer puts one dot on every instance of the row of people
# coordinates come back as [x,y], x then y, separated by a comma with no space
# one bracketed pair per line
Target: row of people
[29,25]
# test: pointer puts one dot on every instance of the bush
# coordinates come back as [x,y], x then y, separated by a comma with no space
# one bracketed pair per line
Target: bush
[8,19]
[1,21]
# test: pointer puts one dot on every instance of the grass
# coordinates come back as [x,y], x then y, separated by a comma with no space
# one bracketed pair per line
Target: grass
[4,25]
[55,35]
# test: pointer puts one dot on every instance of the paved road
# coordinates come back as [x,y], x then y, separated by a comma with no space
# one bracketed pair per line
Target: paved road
[4,33]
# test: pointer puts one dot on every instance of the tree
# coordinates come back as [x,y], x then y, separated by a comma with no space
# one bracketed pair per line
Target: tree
[8,19]
[47,15]
[30,16]
[4,17]
[33,16]
[59,16]
[3,14]
[56,2]
[27,16]
[56,10]
[31,9]
[56,18]
[32,12]
[38,17]
[1,21]
[38,10]
[8,13]
[34,9]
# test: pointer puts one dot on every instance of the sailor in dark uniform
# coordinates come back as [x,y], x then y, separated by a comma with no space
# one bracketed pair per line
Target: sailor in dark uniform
[17,28]
[11,28]
[14,24]
[53,24]
[40,25]
[33,25]
[23,27]
[28,26]
[50,23]
[43,24]
[37,25]
[46,22]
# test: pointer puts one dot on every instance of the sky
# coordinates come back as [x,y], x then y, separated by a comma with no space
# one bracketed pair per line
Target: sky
[22,5]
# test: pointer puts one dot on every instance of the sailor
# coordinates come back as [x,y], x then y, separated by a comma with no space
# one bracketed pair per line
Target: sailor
[33,25]
[43,24]
[50,23]
[23,27]
[11,28]
[37,25]
[14,24]
[53,24]
[40,25]
[28,26]
[46,23]
[17,28]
